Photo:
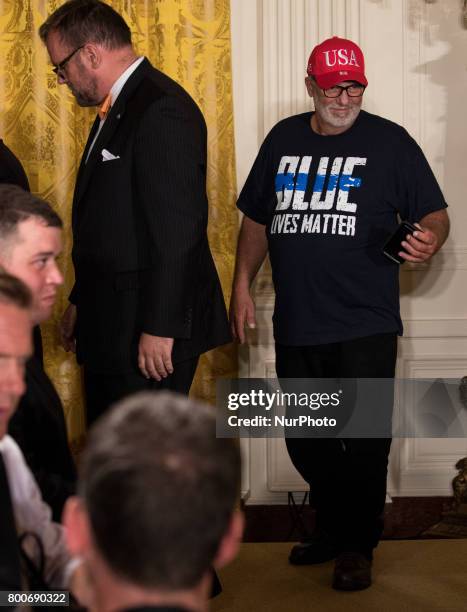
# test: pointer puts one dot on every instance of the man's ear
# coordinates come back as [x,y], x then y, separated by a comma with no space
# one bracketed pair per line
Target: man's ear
[77,528]
[93,54]
[230,543]
[309,86]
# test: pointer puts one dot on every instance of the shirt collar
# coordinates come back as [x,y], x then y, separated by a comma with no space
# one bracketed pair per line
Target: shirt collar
[123,78]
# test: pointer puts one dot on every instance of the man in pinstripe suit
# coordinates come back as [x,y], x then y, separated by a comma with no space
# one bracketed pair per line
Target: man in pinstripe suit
[147,299]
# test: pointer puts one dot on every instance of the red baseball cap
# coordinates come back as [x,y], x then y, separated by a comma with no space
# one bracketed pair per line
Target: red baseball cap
[336,60]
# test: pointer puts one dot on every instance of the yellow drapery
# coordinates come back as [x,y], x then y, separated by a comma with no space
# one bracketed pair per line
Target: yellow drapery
[187,39]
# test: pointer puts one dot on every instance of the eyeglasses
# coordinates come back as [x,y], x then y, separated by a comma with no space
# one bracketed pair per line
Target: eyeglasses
[353,91]
[59,68]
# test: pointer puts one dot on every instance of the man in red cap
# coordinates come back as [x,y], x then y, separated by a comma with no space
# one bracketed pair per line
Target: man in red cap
[322,197]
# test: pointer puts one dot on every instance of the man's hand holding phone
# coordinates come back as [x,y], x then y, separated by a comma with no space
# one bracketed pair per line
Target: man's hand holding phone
[411,242]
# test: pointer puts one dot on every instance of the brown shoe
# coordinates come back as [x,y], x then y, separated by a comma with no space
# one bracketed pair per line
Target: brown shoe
[352,572]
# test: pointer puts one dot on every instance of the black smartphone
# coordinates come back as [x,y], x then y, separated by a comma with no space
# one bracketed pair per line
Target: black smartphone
[393,247]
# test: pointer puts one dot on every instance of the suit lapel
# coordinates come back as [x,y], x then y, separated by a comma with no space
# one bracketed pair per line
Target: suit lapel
[108,129]
[82,164]
[87,168]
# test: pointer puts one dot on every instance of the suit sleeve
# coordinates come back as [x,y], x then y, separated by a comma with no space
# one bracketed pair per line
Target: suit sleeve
[171,205]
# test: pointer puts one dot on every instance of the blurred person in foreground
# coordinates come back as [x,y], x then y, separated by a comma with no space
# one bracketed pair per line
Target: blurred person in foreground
[33,554]
[156,506]
[30,242]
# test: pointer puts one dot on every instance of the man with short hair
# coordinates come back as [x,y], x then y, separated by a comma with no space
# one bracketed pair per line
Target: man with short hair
[147,299]
[322,197]
[30,242]
[24,516]
[157,504]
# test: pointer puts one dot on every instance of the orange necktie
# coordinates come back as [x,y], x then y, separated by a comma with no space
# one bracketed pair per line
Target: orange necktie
[104,109]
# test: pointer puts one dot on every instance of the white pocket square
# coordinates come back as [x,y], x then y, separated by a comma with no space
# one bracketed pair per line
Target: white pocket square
[108,156]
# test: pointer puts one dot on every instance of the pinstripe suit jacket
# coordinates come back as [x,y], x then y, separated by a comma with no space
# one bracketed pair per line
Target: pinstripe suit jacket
[140,249]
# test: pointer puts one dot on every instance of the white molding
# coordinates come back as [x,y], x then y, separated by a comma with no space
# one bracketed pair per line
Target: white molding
[412,80]
[270,65]
[281,476]
[414,327]
[447,364]
[419,466]
[353,20]
[448,258]
[287,32]
[268,499]
[339,18]
[246,468]
[244,29]
[325,21]
[279,479]
[440,327]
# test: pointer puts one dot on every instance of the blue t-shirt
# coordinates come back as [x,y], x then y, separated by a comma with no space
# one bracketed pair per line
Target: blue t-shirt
[329,203]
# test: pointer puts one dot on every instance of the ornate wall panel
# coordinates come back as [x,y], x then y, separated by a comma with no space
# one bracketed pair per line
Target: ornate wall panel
[424,466]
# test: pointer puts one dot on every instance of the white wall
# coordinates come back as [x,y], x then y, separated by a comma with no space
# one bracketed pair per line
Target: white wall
[416,56]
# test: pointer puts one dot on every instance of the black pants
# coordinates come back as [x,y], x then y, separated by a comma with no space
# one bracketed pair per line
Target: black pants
[347,478]
[102,390]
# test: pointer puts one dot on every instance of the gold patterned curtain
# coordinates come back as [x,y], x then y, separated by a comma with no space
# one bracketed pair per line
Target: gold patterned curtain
[187,39]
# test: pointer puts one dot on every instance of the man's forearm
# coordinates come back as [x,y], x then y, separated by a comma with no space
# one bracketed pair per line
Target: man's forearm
[438,223]
[251,252]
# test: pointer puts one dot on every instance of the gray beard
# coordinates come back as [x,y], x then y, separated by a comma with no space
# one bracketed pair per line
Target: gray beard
[326,114]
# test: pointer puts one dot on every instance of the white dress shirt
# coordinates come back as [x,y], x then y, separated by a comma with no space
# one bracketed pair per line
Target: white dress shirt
[32,514]
[114,93]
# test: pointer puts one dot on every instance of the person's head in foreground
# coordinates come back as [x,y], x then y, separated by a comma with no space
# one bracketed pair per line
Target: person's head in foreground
[15,344]
[30,242]
[336,81]
[156,506]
